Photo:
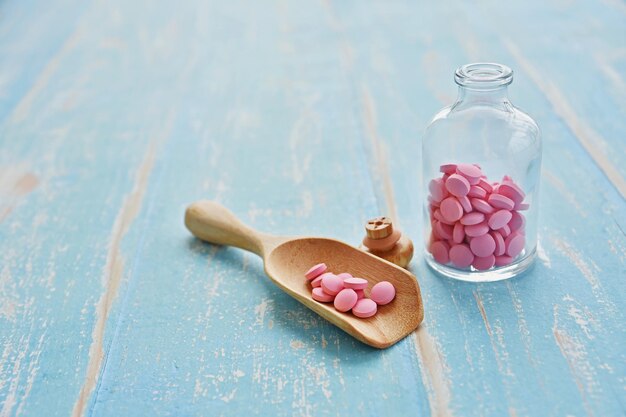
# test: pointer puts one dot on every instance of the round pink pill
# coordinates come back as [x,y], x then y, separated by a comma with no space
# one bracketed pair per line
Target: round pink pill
[476,191]
[451,209]
[364,308]
[321,277]
[500,201]
[484,263]
[359,294]
[432,202]
[484,184]
[344,275]
[522,206]
[332,284]
[457,185]
[500,247]
[383,292]
[318,294]
[517,221]
[499,219]
[440,251]
[437,215]
[481,205]
[448,168]
[472,218]
[458,234]
[505,231]
[317,282]
[514,244]
[345,300]
[355,283]
[483,245]
[461,255]
[469,171]
[444,230]
[437,189]
[465,203]
[435,233]
[315,271]
[476,230]
[512,191]
[503,260]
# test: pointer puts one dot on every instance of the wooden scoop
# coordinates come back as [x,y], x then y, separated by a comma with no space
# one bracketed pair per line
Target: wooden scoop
[288,258]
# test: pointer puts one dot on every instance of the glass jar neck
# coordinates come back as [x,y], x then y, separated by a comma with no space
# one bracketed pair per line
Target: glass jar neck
[494,96]
[483,84]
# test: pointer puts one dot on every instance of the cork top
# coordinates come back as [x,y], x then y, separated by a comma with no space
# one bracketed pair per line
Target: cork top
[379,227]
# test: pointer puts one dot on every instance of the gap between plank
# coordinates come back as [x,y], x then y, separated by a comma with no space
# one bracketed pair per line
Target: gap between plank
[114,270]
[432,372]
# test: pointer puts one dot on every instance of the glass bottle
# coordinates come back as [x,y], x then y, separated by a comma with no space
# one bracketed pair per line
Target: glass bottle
[481,161]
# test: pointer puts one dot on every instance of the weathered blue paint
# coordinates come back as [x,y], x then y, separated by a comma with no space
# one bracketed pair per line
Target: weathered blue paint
[113,117]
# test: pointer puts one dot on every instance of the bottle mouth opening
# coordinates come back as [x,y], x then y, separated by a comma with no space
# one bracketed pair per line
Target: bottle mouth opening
[483,75]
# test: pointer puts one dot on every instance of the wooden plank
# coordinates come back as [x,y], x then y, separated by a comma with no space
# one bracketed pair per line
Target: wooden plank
[290,115]
[248,348]
[524,369]
[34,37]
[60,242]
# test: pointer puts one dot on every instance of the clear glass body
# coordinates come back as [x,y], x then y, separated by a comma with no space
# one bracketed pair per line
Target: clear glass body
[483,129]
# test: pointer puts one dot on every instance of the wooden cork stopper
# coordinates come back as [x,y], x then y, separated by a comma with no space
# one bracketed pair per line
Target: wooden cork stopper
[379,228]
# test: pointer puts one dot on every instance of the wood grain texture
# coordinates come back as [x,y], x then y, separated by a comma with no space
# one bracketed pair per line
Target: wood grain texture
[303,118]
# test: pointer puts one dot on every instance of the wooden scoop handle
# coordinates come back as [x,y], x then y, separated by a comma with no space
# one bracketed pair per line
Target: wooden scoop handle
[214,223]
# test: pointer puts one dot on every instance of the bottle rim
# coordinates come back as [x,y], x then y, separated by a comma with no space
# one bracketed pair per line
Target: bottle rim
[483,75]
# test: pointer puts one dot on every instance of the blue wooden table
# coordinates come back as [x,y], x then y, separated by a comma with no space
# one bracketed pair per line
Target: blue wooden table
[303,118]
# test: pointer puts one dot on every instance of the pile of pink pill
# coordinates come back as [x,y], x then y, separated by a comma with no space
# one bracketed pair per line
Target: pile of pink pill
[474,222]
[347,292]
